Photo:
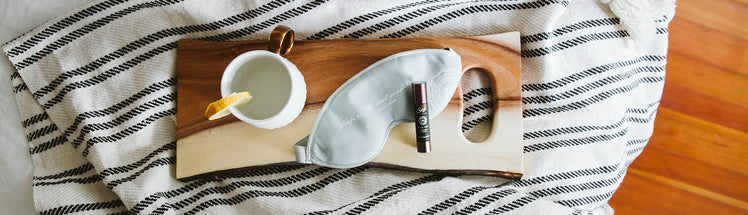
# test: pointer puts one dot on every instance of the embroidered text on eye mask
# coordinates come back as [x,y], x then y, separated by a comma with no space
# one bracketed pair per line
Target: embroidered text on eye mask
[353,124]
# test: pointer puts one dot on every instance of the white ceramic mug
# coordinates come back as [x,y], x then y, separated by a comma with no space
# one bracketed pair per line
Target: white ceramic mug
[277,87]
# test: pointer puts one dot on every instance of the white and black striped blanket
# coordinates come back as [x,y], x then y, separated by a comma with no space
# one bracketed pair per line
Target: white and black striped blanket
[96,89]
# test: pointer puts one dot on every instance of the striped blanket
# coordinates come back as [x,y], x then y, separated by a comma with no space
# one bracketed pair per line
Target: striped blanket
[96,90]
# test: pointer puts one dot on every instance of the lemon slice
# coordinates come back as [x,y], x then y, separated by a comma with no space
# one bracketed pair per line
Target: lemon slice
[220,108]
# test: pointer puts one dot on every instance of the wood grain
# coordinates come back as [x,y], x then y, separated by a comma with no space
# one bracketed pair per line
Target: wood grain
[704,107]
[707,79]
[685,169]
[325,65]
[221,146]
[705,141]
[651,196]
[719,48]
[721,15]
[697,159]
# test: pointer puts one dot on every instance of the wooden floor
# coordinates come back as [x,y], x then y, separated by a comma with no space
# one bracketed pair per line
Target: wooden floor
[697,159]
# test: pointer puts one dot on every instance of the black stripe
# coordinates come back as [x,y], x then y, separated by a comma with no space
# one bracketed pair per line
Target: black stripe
[62,24]
[235,185]
[584,186]
[563,189]
[631,143]
[59,140]
[156,163]
[162,209]
[585,128]
[485,201]
[129,167]
[592,85]
[568,29]
[286,194]
[72,36]
[663,19]
[518,203]
[128,131]
[574,142]
[643,110]
[15,75]
[35,119]
[403,18]
[106,172]
[471,10]
[132,46]
[455,199]
[564,176]
[173,45]
[131,114]
[102,113]
[388,192]
[589,72]
[125,212]
[483,91]
[41,132]
[530,53]
[85,180]
[477,107]
[83,207]
[265,24]
[472,123]
[20,87]
[581,186]
[591,100]
[71,172]
[155,87]
[145,202]
[363,18]
[662,31]
[398,188]
[586,200]
[108,74]
[635,151]
[519,183]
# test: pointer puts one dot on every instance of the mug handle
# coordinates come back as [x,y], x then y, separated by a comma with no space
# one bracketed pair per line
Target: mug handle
[281,40]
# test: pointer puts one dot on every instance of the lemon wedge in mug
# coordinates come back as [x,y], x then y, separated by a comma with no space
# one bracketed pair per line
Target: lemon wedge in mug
[220,108]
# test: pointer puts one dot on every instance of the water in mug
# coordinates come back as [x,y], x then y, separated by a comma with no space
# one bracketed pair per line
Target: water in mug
[269,83]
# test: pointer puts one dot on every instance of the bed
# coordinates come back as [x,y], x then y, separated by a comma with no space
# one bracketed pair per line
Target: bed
[592,82]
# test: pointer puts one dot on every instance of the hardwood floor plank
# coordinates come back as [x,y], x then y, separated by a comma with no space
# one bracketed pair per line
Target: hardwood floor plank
[622,208]
[697,159]
[700,140]
[693,189]
[697,105]
[702,42]
[720,15]
[654,197]
[692,171]
[708,79]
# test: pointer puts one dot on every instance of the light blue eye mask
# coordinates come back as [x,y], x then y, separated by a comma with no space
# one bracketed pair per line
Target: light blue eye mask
[353,124]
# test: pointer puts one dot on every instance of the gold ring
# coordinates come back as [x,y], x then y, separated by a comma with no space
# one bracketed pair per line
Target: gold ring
[281,40]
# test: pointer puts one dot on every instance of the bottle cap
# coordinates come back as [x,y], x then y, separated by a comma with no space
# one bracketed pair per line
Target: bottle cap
[419,92]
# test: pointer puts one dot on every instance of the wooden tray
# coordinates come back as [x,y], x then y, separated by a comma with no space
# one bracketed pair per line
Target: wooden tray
[225,145]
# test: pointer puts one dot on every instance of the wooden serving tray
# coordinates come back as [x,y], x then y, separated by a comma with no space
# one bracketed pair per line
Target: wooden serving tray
[227,144]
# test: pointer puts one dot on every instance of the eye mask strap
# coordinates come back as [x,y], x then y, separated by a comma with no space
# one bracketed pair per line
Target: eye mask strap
[299,150]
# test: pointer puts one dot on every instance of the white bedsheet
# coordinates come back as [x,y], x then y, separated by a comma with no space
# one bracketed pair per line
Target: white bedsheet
[18,17]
